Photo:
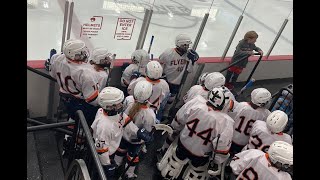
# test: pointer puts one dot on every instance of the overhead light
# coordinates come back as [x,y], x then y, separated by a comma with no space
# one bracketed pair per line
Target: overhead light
[108,5]
[32,3]
[45,4]
[200,12]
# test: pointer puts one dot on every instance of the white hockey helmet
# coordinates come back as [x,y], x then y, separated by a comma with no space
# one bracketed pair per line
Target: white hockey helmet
[109,97]
[213,80]
[217,98]
[102,56]
[154,70]
[182,39]
[140,57]
[67,42]
[281,152]
[76,50]
[260,96]
[277,121]
[202,77]
[142,91]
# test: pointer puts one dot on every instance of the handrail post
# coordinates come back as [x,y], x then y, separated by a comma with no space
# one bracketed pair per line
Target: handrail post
[70,20]
[232,37]
[91,144]
[277,37]
[144,28]
[203,24]
[50,111]
[194,47]
[65,19]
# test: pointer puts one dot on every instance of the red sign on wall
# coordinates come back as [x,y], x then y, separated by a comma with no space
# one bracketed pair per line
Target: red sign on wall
[91,28]
[124,28]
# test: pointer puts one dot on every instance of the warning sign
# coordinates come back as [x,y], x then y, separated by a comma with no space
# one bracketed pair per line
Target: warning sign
[91,28]
[124,28]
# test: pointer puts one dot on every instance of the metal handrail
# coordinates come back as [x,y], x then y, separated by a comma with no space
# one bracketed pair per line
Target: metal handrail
[41,74]
[236,62]
[49,126]
[254,68]
[76,165]
[80,120]
[56,129]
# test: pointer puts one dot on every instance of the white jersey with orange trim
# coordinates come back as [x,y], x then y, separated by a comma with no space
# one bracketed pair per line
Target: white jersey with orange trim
[128,101]
[261,137]
[200,125]
[102,77]
[145,118]
[228,93]
[75,78]
[174,65]
[126,75]
[244,116]
[253,164]
[264,112]
[107,133]
[160,90]
[196,90]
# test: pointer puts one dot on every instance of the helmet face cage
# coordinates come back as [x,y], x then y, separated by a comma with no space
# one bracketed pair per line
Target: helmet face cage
[114,109]
[283,167]
[106,61]
[82,56]
[135,60]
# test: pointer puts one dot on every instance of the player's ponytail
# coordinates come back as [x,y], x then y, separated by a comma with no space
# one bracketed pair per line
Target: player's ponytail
[135,109]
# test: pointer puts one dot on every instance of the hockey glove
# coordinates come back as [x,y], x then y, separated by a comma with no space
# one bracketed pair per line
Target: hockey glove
[143,134]
[47,62]
[192,55]
[135,75]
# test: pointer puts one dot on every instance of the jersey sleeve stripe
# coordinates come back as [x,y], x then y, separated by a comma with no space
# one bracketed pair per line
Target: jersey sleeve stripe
[93,96]
[225,152]
[102,150]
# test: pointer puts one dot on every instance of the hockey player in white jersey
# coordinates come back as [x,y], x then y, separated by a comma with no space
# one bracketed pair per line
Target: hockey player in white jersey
[102,62]
[78,85]
[201,78]
[276,164]
[108,127]
[263,134]
[245,114]
[211,81]
[199,122]
[143,117]
[140,59]
[174,61]
[160,88]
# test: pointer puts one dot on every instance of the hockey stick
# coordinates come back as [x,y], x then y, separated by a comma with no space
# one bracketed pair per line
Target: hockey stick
[249,84]
[111,67]
[151,42]
[211,163]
